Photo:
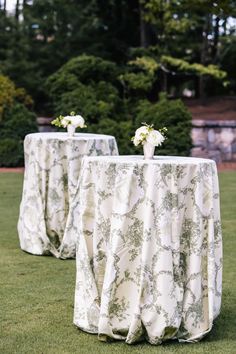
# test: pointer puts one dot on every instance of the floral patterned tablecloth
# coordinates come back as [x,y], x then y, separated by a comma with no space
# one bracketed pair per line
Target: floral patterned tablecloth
[149,248]
[52,170]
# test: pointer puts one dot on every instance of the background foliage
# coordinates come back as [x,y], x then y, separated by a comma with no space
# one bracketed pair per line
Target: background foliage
[110,60]
[16,120]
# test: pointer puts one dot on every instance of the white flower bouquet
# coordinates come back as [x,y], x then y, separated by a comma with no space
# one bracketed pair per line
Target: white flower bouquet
[146,133]
[70,122]
[73,119]
[147,136]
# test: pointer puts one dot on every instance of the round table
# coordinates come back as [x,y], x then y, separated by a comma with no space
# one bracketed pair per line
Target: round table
[149,248]
[52,170]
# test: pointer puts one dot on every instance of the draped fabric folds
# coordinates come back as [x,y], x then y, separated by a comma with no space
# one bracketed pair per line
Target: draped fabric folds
[52,170]
[149,248]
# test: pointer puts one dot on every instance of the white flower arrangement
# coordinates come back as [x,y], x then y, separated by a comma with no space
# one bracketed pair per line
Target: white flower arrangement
[73,119]
[146,133]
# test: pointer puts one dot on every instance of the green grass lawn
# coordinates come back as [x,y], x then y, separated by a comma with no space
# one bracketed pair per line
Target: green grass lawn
[37,293]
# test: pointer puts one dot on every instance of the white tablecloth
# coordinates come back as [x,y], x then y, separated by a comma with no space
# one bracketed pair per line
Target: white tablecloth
[149,249]
[52,169]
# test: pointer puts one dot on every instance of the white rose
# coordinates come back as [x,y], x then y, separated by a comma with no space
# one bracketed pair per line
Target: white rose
[140,134]
[136,141]
[77,121]
[140,131]
[155,138]
[65,121]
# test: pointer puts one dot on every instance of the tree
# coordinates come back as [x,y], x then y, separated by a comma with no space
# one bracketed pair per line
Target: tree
[189,30]
[17,10]
[16,120]
[44,34]
[88,85]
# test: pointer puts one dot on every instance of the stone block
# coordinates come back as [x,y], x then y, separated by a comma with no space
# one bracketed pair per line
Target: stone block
[233,148]
[211,135]
[215,155]
[199,152]
[212,146]
[225,148]
[234,157]
[199,137]
[227,135]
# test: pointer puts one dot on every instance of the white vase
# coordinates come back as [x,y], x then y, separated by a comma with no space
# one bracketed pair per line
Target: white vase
[70,130]
[148,151]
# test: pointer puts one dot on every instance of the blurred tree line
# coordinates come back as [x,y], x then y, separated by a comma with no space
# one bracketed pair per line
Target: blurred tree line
[112,60]
[42,35]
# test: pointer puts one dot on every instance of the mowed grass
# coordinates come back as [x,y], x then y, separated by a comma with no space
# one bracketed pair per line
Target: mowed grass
[37,293]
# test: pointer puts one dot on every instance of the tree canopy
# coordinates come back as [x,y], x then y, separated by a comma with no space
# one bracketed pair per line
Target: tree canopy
[191,42]
[118,63]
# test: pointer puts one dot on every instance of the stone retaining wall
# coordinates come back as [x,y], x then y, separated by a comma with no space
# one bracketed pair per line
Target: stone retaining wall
[214,139]
[44,124]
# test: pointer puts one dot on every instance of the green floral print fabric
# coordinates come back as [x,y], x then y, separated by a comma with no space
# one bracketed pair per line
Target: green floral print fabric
[149,248]
[52,170]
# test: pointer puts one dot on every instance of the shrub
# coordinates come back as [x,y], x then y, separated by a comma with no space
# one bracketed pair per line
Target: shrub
[86,69]
[116,104]
[93,102]
[16,120]
[11,153]
[9,94]
[172,114]
[121,130]
[87,85]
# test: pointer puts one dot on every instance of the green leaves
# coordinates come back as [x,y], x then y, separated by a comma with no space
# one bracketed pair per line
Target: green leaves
[146,63]
[195,68]
[7,93]
[137,81]
[16,120]
[57,121]
[86,84]
[172,114]
[10,95]
[144,75]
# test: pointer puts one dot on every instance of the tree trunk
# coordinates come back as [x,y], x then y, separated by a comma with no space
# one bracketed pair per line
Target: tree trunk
[24,6]
[143,28]
[17,12]
[165,82]
[147,32]
[204,56]
[202,93]
[216,39]
[5,7]
[225,27]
